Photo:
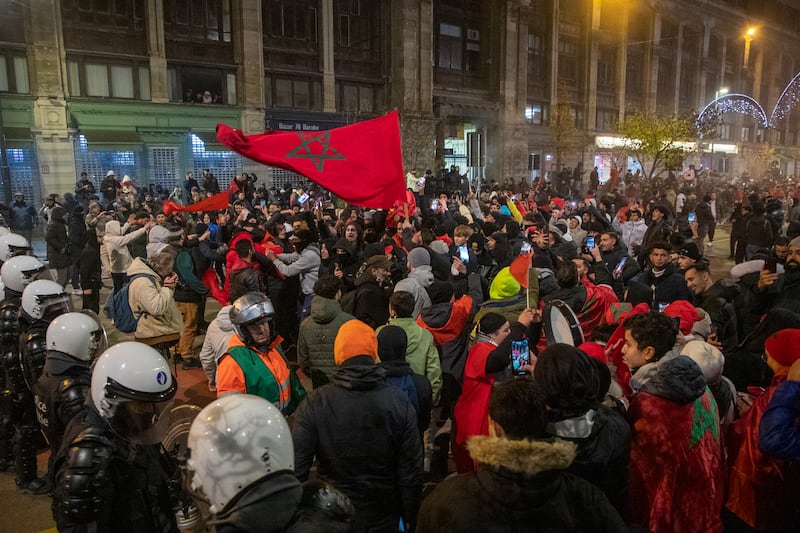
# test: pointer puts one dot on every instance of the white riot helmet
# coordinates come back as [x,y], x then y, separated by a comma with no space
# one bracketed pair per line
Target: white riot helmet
[131,388]
[12,245]
[251,308]
[4,231]
[234,441]
[76,334]
[18,272]
[44,299]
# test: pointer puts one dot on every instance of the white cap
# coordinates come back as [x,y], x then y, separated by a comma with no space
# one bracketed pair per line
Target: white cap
[110,173]
[126,179]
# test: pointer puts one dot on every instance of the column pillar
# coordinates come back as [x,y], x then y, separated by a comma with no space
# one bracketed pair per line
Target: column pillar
[52,137]
[594,49]
[156,48]
[622,61]
[248,49]
[326,45]
[676,97]
[651,66]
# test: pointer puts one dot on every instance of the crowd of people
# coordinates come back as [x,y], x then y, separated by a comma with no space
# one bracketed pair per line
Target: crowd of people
[420,332]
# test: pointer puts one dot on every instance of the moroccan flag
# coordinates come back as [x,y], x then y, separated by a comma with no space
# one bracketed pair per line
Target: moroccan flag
[361,163]
[218,202]
[519,268]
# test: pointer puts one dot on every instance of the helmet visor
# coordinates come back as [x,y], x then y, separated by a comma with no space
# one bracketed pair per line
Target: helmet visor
[141,422]
[55,306]
[99,341]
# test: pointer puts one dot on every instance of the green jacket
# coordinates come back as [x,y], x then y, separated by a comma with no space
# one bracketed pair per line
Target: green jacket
[315,340]
[421,353]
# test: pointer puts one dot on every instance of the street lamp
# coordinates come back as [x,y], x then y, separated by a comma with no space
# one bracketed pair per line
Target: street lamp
[748,36]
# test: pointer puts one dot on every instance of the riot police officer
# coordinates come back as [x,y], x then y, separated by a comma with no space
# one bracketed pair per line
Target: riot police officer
[241,457]
[17,413]
[111,473]
[73,342]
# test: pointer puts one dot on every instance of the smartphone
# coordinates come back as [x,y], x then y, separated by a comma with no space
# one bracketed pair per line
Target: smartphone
[590,241]
[619,268]
[263,204]
[520,356]
[692,217]
[245,213]
[771,264]
[304,198]
[526,248]
[435,204]
[463,254]
[661,307]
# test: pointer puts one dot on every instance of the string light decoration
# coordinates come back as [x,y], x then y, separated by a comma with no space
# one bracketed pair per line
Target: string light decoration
[787,101]
[735,103]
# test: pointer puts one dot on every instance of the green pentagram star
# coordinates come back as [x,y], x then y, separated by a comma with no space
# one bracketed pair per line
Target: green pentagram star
[303,151]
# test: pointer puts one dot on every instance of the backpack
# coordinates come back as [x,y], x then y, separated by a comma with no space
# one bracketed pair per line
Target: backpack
[125,319]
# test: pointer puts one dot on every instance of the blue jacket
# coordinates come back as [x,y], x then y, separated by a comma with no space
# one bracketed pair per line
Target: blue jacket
[779,431]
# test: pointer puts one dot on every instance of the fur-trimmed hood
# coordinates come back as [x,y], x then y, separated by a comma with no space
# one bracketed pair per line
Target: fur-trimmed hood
[527,457]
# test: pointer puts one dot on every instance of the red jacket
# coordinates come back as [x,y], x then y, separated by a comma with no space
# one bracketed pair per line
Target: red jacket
[461,310]
[762,491]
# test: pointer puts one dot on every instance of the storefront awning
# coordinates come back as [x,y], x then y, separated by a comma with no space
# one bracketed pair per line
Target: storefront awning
[107,137]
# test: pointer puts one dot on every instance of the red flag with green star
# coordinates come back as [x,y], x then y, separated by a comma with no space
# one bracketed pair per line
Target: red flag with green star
[361,163]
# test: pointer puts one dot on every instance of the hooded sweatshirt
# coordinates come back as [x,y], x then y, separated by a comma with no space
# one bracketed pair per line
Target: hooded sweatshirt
[162,316]
[117,245]
[417,281]
[218,335]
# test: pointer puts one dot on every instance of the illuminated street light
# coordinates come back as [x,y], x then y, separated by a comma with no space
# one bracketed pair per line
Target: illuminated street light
[748,36]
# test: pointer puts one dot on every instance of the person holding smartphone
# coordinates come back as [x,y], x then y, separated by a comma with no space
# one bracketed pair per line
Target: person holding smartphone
[490,356]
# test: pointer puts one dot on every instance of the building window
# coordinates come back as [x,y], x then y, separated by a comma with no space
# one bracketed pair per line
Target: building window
[195,85]
[568,59]
[104,14]
[355,98]
[724,132]
[201,20]
[291,19]
[606,118]
[606,70]
[536,60]
[451,46]
[353,27]
[536,114]
[223,163]
[96,78]
[745,137]
[293,93]
[14,73]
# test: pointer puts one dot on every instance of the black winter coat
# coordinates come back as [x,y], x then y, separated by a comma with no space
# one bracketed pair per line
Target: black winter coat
[602,458]
[520,486]
[370,304]
[669,287]
[364,435]
[57,242]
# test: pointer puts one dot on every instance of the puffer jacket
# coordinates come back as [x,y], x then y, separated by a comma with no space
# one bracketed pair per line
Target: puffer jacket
[315,340]
[218,334]
[632,233]
[378,464]
[162,314]
[520,485]
[117,245]
[416,283]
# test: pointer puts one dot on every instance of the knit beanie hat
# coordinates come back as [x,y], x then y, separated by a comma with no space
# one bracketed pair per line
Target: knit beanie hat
[440,292]
[708,358]
[491,322]
[783,346]
[504,285]
[418,257]
[354,338]
[392,343]
[439,247]
[684,311]
[558,202]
